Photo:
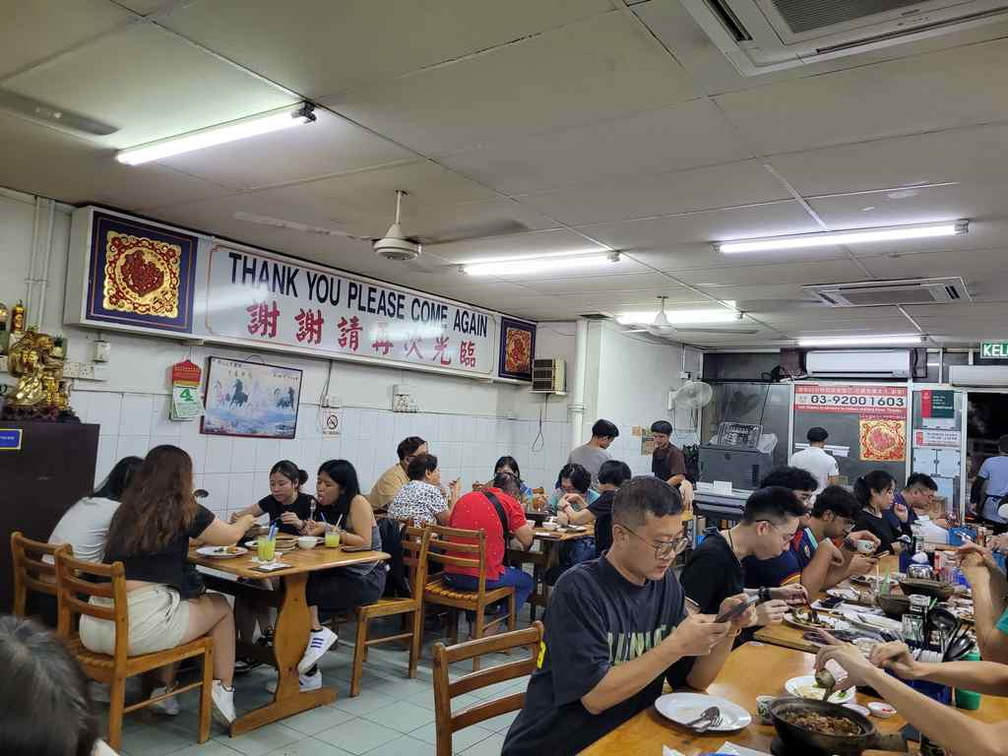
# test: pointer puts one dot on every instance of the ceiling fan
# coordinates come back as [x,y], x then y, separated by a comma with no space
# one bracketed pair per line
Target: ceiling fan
[395,245]
[661,327]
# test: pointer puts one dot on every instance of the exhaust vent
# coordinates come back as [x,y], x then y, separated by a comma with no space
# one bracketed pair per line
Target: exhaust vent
[907,291]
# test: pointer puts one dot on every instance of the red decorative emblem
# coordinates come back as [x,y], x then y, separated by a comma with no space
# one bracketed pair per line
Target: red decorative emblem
[141,275]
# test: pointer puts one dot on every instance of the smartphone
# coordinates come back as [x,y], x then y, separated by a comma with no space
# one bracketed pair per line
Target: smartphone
[737,610]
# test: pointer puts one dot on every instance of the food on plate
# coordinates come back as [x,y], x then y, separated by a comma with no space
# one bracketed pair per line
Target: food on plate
[806,616]
[881,709]
[228,550]
[824,724]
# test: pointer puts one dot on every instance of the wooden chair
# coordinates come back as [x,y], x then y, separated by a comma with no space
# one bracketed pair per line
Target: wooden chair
[444,690]
[410,608]
[32,572]
[74,588]
[452,547]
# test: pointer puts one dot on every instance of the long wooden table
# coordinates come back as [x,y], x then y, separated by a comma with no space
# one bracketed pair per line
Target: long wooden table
[290,636]
[752,669]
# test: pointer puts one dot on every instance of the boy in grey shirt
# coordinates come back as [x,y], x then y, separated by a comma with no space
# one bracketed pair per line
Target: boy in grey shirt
[591,455]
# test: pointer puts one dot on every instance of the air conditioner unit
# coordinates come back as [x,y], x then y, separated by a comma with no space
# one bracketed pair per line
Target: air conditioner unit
[901,291]
[760,36]
[549,376]
[979,376]
[866,363]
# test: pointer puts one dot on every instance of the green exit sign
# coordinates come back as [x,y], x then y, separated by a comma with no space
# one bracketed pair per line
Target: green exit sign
[994,349]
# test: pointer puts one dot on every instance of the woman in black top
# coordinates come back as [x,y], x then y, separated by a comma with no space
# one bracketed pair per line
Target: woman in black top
[875,491]
[150,535]
[285,503]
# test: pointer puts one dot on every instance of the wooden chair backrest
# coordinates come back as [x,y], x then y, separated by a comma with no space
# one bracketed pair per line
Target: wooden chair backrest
[76,585]
[455,547]
[32,570]
[416,566]
[445,690]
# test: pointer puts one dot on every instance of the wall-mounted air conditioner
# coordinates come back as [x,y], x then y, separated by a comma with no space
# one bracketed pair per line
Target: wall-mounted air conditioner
[864,364]
[549,376]
[759,36]
[979,376]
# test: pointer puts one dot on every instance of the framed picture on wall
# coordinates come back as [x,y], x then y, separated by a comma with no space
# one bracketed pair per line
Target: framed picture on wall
[517,349]
[251,399]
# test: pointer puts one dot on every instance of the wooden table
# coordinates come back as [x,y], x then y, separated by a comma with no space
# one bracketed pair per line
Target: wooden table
[542,561]
[752,669]
[290,636]
[791,637]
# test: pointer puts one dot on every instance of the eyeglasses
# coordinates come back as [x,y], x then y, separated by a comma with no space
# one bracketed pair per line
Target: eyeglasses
[663,550]
[784,536]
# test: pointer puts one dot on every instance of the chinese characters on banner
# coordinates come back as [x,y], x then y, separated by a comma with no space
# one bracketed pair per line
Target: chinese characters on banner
[881,413]
[279,300]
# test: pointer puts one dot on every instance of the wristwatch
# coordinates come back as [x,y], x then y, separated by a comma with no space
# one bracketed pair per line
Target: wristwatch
[764,594]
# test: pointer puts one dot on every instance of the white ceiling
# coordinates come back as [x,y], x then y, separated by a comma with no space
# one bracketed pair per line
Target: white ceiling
[535,126]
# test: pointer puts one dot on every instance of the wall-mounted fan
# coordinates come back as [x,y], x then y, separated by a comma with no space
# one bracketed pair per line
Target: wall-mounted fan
[693,395]
[661,327]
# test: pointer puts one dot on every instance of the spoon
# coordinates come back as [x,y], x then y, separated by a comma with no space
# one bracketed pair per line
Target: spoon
[826,680]
[709,714]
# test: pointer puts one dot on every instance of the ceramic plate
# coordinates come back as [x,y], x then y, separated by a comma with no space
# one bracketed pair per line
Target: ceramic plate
[826,622]
[806,687]
[221,552]
[686,707]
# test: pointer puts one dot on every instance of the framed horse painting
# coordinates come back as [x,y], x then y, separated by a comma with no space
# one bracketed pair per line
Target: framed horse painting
[251,399]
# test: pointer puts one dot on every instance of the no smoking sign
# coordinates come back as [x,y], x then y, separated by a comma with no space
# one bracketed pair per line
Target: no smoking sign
[330,422]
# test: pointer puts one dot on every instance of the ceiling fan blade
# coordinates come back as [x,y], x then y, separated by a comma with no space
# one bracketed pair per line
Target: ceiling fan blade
[718,331]
[53,115]
[265,220]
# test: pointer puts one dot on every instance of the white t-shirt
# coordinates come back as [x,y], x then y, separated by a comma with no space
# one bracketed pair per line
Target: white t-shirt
[85,527]
[817,461]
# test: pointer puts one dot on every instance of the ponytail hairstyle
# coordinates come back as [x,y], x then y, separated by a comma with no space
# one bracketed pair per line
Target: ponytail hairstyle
[292,472]
[877,481]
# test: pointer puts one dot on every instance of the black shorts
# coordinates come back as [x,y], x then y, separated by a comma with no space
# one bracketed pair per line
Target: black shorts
[340,590]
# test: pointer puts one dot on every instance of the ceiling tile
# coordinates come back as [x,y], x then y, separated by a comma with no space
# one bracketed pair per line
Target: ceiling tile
[822,271]
[320,47]
[974,154]
[912,95]
[667,193]
[329,145]
[683,136]
[39,35]
[515,245]
[54,164]
[983,270]
[587,71]
[150,84]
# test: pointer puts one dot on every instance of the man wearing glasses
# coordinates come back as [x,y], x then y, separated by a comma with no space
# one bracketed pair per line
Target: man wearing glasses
[388,485]
[814,558]
[615,626]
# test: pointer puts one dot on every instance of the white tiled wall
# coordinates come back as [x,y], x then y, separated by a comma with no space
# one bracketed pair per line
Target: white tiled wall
[235,470]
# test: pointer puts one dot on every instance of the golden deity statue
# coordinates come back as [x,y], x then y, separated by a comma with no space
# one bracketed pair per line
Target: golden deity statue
[39,373]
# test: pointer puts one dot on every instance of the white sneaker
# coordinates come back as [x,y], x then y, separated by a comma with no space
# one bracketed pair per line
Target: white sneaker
[223,703]
[319,641]
[305,682]
[169,706]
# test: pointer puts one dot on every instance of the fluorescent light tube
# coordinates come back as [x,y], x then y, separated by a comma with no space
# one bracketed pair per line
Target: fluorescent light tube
[854,236]
[264,123]
[676,317]
[521,266]
[831,341]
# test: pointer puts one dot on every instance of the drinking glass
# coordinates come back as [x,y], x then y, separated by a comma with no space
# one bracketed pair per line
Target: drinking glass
[266,548]
[332,537]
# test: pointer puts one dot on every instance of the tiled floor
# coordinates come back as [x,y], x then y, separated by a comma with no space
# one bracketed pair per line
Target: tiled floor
[393,715]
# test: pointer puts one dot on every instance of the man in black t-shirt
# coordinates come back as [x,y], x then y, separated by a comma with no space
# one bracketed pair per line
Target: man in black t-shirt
[715,570]
[614,626]
[667,460]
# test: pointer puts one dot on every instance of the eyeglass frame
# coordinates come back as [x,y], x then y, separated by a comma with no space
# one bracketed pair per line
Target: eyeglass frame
[678,545]
[776,526]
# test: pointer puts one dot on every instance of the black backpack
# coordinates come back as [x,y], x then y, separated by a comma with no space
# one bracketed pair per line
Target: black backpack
[396,582]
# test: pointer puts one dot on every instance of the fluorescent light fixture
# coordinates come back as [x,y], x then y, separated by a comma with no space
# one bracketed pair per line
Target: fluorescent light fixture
[854,236]
[865,340]
[678,317]
[520,266]
[264,123]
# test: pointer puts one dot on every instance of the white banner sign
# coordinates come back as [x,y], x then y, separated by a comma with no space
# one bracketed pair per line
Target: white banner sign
[278,300]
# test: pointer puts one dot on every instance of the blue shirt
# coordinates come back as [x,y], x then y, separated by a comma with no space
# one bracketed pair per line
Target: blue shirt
[995,471]
[554,501]
[890,515]
[1002,624]
[783,569]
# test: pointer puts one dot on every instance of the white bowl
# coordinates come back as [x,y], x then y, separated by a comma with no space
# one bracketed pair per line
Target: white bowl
[864,546]
[307,542]
[551,525]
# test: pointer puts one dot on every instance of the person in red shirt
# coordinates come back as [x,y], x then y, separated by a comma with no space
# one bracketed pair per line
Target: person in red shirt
[477,511]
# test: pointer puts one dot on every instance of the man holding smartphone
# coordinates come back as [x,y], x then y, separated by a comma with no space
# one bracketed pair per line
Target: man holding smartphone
[614,628]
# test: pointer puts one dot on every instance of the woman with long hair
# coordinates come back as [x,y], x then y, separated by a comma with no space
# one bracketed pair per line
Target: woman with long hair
[85,525]
[150,535]
[875,492]
[341,506]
